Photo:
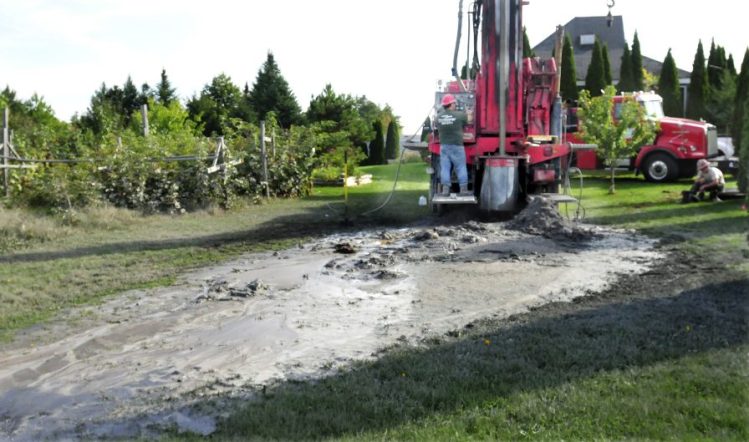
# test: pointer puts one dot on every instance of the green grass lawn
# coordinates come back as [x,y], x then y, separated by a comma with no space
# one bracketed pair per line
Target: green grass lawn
[656,366]
[656,210]
[653,367]
[402,206]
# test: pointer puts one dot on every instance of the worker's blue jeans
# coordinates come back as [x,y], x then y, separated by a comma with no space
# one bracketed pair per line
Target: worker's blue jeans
[453,155]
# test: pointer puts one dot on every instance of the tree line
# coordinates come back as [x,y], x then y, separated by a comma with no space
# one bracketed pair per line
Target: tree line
[335,128]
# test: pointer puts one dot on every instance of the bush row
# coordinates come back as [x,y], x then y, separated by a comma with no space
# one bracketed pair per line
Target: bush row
[169,174]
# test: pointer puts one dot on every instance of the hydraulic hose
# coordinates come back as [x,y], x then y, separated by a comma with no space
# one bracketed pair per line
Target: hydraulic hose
[395,181]
[455,72]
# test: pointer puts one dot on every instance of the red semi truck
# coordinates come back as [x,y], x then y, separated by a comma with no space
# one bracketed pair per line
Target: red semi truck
[673,154]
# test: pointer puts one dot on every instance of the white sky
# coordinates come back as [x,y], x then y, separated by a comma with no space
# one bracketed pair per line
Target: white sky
[392,51]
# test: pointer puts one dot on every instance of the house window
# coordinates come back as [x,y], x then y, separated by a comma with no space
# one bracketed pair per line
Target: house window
[587,39]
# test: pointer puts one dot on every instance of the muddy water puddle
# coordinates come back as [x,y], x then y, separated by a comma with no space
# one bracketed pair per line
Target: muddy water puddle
[146,356]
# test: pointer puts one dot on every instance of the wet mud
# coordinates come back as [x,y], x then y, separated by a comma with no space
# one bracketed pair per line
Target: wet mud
[142,360]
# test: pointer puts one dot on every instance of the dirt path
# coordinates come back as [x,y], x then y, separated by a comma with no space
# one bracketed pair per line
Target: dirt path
[145,356]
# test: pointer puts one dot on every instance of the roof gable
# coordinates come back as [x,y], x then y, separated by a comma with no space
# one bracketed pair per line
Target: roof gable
[612,37]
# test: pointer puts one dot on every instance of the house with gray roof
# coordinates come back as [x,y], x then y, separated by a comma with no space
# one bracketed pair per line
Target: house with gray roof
[583,32]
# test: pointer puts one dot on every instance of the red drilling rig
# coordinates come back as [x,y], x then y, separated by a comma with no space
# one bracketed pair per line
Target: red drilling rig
[513,144]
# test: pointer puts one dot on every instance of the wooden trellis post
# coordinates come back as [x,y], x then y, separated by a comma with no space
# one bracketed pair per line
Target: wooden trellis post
[264,154]
[273,143]
[6,152]
[144,115]
[219,158]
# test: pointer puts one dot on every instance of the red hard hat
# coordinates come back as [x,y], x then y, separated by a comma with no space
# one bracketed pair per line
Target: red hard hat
[448,99]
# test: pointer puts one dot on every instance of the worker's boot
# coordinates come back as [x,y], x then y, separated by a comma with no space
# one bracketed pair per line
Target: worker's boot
[686,197]
[445,190]
[464,190]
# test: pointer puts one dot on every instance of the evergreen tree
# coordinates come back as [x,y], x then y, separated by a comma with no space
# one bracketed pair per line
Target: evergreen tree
[246,111]
[98,117]
[218,103]
[668,87]
[392,141]
[638,77]
[341,113]
[742,96]
[594,80]
[328,106]
[130,100]
[165,93]
[626,82]
[271,92]
[606,65]
[743,151]
[367,110]
[697,91]
[568,88]
[8,99]
[719,103]
[714,67]
[145,93]
[377,146]
[527,50]
[111,109]
[731,65]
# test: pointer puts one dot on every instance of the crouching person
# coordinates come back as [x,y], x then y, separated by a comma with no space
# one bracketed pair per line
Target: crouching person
[709,179]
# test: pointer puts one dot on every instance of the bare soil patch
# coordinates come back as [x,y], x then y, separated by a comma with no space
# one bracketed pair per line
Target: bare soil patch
[142,360]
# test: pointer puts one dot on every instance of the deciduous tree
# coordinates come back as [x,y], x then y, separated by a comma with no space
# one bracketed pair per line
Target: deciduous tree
[614,139]
[218,103]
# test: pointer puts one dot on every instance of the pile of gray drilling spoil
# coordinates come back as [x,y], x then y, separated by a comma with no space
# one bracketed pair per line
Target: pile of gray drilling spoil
[541,217]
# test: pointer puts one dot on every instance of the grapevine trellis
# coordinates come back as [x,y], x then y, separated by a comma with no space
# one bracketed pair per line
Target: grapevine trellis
[220,161]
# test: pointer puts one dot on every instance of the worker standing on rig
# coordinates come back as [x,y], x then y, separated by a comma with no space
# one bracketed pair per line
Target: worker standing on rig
[450,122]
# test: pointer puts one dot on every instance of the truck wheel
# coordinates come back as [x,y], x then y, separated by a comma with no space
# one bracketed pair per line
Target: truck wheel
[659,168]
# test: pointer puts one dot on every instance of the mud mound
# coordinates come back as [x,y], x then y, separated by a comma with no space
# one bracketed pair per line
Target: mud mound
[541,217]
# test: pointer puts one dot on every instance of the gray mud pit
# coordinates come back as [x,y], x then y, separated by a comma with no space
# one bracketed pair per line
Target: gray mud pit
[140,362]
